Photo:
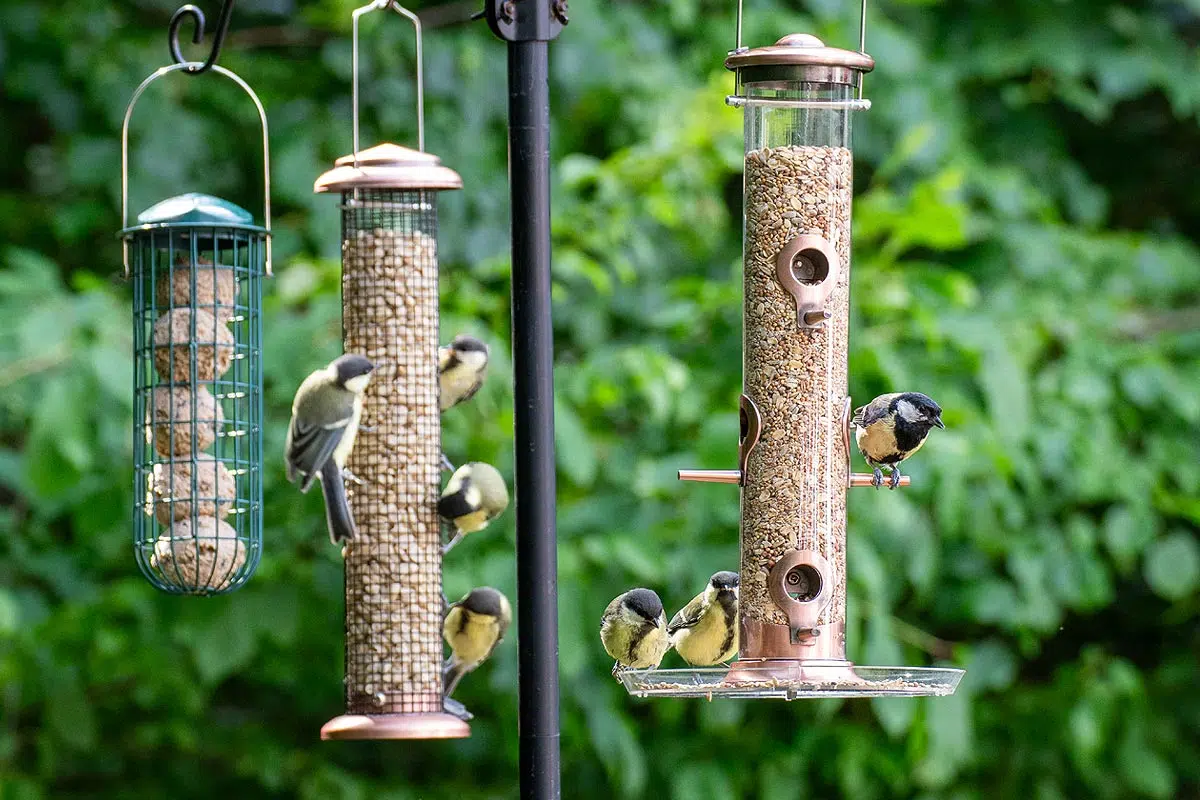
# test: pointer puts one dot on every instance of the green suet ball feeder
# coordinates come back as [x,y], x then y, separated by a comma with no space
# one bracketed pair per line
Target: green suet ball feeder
[196,263]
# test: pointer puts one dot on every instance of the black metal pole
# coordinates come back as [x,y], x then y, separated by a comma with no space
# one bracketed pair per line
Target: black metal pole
[527,26]
[533,352]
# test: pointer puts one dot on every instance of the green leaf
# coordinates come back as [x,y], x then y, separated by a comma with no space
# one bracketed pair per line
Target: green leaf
[575,453]
[1172,566]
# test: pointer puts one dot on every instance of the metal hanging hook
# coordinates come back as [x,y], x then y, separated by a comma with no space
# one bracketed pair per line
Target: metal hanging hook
[416,21]
[197,16]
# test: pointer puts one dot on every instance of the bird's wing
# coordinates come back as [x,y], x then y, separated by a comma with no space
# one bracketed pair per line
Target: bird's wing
[311,447]
[455,504]
[688,616]
[874,411]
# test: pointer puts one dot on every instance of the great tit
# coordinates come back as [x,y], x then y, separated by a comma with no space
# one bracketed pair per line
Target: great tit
[325,417]
[462,366]
[705,631]
[473,627]
[891,428]
[475,495]
[633,630]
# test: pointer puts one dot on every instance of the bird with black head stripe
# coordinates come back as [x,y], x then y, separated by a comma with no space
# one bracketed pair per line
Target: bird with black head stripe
[705,631]
[633,630]
[892,427]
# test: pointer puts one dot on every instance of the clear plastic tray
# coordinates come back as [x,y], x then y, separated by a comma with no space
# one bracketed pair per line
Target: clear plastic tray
[794,682]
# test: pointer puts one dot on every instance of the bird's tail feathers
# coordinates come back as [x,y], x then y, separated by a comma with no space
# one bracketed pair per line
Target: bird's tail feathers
[337,508]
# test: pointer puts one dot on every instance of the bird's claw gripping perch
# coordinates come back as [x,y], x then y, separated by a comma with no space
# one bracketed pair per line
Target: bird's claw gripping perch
[456,708]
[448,546]
[895,480]
[877,478]
[348,475]
[446,465]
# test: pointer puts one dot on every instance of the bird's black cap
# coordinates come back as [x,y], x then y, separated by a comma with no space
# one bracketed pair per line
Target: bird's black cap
[467,344]
[350,366]
[644,602]
[484,600]
[923,402]
[724,580]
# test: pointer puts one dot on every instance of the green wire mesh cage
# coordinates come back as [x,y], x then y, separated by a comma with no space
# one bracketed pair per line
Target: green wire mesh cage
[196,264]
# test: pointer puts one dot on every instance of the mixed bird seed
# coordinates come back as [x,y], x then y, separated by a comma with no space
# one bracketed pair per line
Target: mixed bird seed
[794,493]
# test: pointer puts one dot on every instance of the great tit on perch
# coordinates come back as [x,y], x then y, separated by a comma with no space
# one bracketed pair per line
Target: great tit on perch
[891,428]
[633,630]
[473,627]
[475,495]
[462,366]
[325,417]
[705,631]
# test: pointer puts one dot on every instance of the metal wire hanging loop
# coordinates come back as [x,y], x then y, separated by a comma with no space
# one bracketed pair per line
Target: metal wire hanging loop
[192,68]
[404,12]
[862,37]
[197,16]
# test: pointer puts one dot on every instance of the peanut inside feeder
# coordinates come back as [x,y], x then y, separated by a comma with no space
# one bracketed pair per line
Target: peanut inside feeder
[393,681]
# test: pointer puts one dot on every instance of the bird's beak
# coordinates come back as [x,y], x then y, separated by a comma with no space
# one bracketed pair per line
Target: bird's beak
[938,421]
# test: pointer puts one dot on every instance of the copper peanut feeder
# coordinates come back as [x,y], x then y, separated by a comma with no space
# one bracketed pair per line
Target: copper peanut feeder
[794,452]
[390,315]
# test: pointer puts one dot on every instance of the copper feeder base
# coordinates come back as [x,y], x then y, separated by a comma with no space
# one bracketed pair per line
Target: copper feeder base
[432,725]
[808,670]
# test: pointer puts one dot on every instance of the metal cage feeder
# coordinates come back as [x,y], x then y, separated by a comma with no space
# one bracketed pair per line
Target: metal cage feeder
[393,681]
[197,264]
[794,452]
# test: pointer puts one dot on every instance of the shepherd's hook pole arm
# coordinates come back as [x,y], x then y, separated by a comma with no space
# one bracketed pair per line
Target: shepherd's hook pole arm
[197,17]
[528,26]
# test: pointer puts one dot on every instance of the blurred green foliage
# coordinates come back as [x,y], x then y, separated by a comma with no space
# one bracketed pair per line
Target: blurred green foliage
[1026,253]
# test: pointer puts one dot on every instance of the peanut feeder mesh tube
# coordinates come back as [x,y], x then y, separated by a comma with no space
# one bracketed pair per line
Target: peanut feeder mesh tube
[394,567]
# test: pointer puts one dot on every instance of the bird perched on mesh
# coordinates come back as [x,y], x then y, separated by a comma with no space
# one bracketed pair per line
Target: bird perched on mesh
[325,416]
[475,495]
[462,367]
[705,631]
[892,427]
[473,627]
[633,630]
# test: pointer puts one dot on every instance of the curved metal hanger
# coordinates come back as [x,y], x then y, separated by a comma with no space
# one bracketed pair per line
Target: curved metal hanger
[197,16]
[376,5]
[192,67]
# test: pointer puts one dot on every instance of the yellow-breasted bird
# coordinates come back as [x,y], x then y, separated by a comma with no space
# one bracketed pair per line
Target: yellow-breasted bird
[473,627]
[633,629]
[475,495]
[891,428]
[705,631]
[325,416]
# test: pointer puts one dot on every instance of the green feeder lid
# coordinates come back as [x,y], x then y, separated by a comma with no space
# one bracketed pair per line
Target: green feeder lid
[194,210]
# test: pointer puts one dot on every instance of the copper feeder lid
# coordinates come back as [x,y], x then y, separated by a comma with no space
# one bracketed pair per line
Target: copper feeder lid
[800,57]
[388,166]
